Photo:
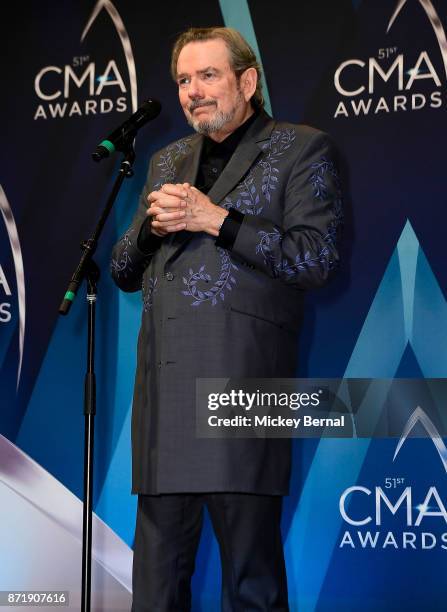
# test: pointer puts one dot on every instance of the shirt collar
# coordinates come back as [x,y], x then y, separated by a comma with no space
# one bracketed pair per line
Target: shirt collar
[230,143]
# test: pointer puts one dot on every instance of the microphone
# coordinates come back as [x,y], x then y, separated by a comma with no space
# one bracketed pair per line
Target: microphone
[119,139]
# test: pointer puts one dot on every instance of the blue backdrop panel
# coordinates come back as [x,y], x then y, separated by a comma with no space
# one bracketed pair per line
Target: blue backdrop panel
[373,74]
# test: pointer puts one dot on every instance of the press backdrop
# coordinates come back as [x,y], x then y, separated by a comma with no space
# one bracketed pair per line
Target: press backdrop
[372,73]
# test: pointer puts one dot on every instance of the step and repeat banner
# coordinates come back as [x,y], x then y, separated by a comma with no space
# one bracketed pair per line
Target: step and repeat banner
[365,525]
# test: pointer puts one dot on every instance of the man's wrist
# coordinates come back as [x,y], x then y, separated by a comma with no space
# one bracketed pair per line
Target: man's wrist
[148,241]
[230,229]
[218,220]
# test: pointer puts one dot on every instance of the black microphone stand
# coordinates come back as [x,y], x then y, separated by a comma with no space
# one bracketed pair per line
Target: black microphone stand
[87,269]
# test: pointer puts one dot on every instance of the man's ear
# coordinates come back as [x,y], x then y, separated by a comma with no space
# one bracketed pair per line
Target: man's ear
[248,82]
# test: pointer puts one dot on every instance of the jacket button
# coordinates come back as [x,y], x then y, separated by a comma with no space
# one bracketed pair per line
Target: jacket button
[169,276]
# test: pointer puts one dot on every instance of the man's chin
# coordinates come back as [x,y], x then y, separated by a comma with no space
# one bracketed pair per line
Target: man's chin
[202,127]
[211,125]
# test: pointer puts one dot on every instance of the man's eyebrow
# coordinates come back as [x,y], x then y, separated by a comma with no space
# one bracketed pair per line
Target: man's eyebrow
[207,69]
[202,71]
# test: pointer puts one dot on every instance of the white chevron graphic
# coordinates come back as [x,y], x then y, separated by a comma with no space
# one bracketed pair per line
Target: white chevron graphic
[14,241]
[434,20]
[419,416]
[108,6]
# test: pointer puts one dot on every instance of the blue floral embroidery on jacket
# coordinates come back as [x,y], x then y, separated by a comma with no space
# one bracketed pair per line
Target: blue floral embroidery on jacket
[317,178]
[334,226]
[265,248]
[321,190]
[224,283]
[168,170]
[267,241]
[149,289]
[302,264]
[278,144]
[123,266]
[248,199]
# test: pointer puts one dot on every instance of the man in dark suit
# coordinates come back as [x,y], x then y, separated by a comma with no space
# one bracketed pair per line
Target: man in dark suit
[233,225]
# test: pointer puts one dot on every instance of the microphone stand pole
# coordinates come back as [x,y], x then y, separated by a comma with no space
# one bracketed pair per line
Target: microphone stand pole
[87,269]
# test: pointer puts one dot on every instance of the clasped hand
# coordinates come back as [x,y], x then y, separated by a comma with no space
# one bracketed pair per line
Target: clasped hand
[182,207]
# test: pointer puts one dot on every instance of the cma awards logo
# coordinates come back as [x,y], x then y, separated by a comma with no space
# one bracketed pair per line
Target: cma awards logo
[7,289]
[85,87]
[357,80]
[384,502]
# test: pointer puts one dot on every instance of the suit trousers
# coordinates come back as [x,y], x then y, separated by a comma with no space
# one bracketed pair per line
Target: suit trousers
[247,528]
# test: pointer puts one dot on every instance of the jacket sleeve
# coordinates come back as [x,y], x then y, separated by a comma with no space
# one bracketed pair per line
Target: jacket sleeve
[134,250]
[303,250]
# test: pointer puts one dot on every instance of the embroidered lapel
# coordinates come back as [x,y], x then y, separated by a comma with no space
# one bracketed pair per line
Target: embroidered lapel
[243,158]
[180,161]
[188,165]
[239,164]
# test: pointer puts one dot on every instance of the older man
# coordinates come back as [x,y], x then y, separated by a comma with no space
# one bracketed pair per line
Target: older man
[233,225]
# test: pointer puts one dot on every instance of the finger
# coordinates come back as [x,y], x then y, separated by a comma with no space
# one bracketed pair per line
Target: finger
[159,232]
[170,216]
[177,228]
[174,190]
[192,193]
[168,227]
[192,189]
[166,201]
[164,196]
[154,195]
[153,211]
[156,213]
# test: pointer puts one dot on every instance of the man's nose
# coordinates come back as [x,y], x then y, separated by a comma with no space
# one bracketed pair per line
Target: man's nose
[195,89]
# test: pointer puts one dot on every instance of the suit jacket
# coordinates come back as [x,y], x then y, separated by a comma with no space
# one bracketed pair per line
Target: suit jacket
[210,312]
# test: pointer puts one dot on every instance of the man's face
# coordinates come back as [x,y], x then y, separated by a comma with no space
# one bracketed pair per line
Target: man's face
[209,91]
